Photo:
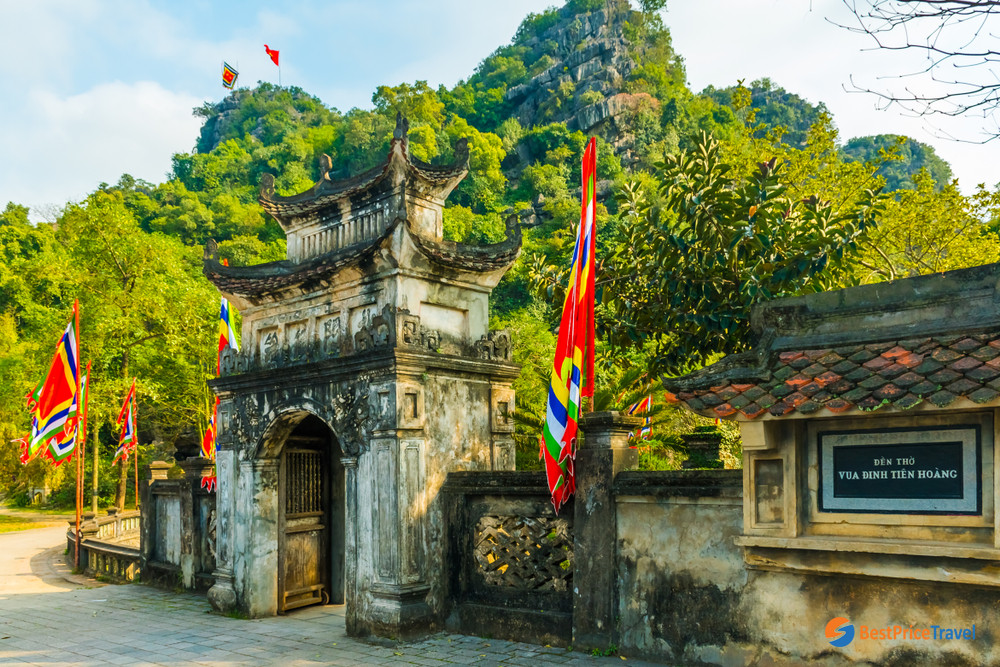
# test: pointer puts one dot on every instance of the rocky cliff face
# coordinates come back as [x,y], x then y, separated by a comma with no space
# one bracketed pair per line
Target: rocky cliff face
[588,59]
[581,67]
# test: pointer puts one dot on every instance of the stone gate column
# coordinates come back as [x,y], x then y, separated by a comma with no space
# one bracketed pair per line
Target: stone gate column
[351,541]
[222,594]
[603,454]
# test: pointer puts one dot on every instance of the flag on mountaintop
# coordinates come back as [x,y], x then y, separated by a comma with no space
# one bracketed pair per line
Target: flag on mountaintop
[229,75]
[273,53]
[53,403]
[573,365]
[128,440]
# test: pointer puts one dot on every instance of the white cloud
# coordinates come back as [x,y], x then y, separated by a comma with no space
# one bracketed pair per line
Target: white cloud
[64,146]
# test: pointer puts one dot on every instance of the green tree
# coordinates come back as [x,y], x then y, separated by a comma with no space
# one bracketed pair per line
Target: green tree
[686,275]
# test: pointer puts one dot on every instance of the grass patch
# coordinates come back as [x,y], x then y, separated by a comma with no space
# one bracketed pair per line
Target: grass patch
[9,524]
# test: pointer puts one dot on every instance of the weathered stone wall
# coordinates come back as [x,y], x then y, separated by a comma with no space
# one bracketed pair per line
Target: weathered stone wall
[177,546]
[687,597]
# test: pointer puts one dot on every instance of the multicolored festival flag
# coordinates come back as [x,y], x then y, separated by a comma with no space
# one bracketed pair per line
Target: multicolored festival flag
[273,53]
[54,402]
[60,449]
[573,365]
[128,440]
[229,75]
[227,339]
[637,408]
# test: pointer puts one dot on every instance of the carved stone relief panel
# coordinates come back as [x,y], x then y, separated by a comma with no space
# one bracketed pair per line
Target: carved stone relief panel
[385,519]
[413,502]
[329,334]
[496,346]
[297,339]
[270,346]
[501,409]
[410,411]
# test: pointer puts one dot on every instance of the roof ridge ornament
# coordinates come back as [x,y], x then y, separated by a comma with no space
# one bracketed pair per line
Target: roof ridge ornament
[402,127]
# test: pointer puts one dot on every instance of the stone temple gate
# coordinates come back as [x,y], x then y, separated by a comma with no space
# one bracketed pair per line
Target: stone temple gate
[368,372]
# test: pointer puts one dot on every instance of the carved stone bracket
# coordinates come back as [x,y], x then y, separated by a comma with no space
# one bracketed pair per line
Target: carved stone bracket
[350,418]
[496,346]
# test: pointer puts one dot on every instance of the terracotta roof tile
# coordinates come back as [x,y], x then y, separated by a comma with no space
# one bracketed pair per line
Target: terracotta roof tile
[800,363]
[862,355]
[942,398]
[985,353]
[928,367]
[925,388]
[963,386]
[869,403]
[844,366]
[983,395]
[810,389]
[908,401]
[910,360]
[789,356]
[907,380]
[983,373]
[856,394]
[807,407]
[725,410]
[830,358]
[965,364]
[889,392]
[893,371]
[945,355]
[782,390]
[877,363]
[873,382]
[895,352]
[814,370]
[966,345]
[944,376]
[827,378]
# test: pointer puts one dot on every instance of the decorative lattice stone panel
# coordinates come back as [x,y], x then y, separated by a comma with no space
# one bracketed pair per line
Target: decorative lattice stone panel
[527,553]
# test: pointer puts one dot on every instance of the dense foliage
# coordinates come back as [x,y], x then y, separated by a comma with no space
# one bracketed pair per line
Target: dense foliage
[708,203]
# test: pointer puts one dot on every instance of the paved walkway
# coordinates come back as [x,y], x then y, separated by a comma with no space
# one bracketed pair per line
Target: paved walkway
[49,616]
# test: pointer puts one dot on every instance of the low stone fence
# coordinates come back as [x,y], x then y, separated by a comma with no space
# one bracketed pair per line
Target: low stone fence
[178,527]
[108,546]
[641,562]
[510,558]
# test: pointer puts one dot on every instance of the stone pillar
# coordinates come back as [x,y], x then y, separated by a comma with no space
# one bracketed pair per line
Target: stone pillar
[259,584]
[147,526]
[603,454]
[222,594]
[351,542]
[194,470]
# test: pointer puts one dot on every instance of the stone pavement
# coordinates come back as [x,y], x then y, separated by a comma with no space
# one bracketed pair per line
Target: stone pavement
[51,617]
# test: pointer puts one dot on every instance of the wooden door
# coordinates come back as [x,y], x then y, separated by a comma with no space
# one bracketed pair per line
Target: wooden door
[303,558]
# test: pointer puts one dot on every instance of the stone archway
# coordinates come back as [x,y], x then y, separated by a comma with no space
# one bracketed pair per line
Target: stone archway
[311,505]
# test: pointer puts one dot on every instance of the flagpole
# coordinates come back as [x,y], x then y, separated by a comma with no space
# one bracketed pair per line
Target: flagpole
[135,451]
[79,457]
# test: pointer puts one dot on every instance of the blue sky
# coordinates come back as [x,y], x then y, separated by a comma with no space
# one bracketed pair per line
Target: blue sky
[95,88]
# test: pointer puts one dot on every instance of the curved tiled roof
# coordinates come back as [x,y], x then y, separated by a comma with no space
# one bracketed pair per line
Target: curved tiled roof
[901,374]
[931,339]
[326,192]
[472,257]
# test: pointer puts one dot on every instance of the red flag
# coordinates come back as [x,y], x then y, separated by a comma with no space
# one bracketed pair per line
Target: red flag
[271,52]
